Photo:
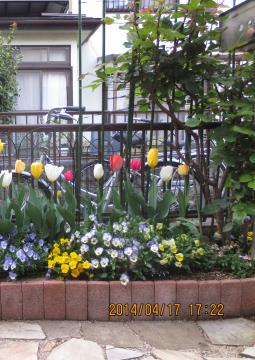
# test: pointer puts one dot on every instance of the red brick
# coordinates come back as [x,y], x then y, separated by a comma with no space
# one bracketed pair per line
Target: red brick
[11,301]
[76,300]
[33,308]
[120,301]
[54,300]
[186,297]
[165,297]
[231,292]
[142,300]
[98,300]
[209,294]
[248,297]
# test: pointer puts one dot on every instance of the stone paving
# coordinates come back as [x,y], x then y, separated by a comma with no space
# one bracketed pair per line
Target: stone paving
[143,340]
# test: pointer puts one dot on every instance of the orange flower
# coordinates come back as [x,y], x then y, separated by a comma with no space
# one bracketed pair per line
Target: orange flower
[116,162]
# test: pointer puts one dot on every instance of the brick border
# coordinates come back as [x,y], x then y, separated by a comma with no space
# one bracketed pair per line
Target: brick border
[140,300]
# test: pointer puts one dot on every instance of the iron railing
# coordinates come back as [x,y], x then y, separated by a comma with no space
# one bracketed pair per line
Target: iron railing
[27,142]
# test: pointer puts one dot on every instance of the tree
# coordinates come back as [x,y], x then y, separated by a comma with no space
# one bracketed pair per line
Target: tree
[9,59]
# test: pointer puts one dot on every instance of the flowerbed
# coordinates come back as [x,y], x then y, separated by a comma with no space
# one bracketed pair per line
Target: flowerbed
[139,300]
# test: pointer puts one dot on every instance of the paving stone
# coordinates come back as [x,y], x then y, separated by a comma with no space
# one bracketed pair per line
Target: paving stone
[20,330]
[230,331]
[19,350]
[249,352]
[122,354]
[222,358]
[77,349]
[172,335]
[110,333]
[175,355]
[60,329]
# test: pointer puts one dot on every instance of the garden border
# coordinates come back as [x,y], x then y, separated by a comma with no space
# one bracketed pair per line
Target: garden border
[89,300]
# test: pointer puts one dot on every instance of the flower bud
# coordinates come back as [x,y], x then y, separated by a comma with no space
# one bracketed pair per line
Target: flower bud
[19,166]
[183,169]
[152,158]
[98,171]
[166,173]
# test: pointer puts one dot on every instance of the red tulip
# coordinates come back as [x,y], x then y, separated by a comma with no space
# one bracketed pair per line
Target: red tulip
[135,165]
[69,175]
[116,162]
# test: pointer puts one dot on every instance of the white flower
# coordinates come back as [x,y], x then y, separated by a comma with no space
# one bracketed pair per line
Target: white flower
[94,241]
[98,171]
[99,251]
[92,218]
[6,178]
[84,248]
[95,263]
[114,254]
[124,279]
[85,238]
[53,171]
[77,234]
[166,173]
[117,227]
[107,243]
[133,258]
[154,248]
[104,262]
[128,251]
[116,242]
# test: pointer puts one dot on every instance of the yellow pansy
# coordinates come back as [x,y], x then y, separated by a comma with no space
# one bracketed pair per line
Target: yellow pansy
[73,264]
[197,243]
[163,261]
[174,249]
[161,247]
[179,257]
[178,264]
[159,226]
[201,251]
[80,267]
[86,265]
[56,251]
[51,264]
[36,169]
[64,268]
[60,259]
[152,158]
[75,273]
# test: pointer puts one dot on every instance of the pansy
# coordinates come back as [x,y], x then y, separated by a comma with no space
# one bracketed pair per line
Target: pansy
[12,248]
[84,248]
[124,279]
[77,234]
[41,242]
[99,251]
[94,241]
[116,242]
[92,218]
[3,244]
[107,237]
[114,254]
[104,262]
[12,275]
[154,248]
[95,263]
[30,253]
[121,255]
[128,251]
[45,248]
[36,256]
[13,265]
[26,248]
[133,258]
[21,255]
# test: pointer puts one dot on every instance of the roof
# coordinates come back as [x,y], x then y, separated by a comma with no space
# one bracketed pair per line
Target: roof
[14,8]
[64,21]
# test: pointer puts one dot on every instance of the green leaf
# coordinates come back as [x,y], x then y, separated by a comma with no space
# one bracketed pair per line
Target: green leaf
[245,178]
[193,122]
[35,215]
[251,184]
[228,227]
[215,206]
[152,195]
[19,215]
[252,158]
[68,216]
[6,226]
[108,20]
[243,130]
[164,205]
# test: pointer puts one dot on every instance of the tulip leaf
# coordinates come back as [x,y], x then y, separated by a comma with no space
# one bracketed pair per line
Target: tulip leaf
[164,205]
[67,215]
[116,200]
[35,215]
[70,198]
[152,195]
[19,214]
[6,226]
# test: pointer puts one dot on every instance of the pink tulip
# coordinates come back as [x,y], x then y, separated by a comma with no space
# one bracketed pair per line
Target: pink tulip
[135,165]
[69,175]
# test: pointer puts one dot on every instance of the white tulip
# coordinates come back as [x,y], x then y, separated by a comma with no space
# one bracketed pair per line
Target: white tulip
[53,172]
[166,173]
[6,178]
[98,171]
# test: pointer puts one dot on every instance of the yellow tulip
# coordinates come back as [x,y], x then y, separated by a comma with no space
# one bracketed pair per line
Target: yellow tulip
[152,158]
[183,169]
[36,169]
[1,146]
[19,166]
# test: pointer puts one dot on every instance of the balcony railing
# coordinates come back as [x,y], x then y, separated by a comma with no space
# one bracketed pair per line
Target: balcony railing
[126,5]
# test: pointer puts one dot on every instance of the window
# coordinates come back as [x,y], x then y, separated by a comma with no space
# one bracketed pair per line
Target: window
[44,79]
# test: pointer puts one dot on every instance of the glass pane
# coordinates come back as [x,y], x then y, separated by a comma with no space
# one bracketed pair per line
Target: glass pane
[58,54]
[54,90]
[33,54]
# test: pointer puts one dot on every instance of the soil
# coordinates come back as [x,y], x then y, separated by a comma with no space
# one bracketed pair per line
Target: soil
[212,275]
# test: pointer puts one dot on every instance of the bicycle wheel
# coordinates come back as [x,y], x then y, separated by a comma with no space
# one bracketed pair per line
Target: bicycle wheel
[26,178]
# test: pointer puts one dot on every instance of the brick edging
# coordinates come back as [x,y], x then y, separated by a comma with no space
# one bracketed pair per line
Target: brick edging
[139,300]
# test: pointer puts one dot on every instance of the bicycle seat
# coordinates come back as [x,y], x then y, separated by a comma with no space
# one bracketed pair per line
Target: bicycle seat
[137,138]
